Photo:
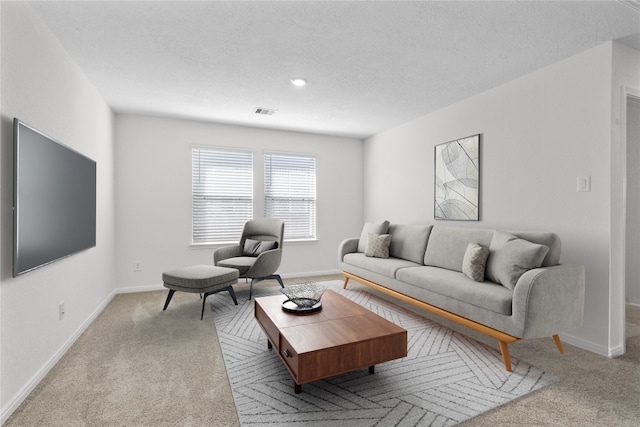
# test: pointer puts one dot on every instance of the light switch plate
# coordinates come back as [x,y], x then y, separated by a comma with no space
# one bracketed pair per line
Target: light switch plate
[584,183]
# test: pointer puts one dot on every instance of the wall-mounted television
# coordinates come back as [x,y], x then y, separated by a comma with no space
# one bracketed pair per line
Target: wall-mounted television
[54,200]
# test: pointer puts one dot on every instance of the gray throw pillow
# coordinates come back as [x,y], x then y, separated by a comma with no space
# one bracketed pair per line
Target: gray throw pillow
[256,247]
[378,245]
[510,257]
[371,227]
[475,261]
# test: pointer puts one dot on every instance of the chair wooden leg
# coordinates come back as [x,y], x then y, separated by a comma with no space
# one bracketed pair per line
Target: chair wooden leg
[346,280]
[505,355]
[556,338]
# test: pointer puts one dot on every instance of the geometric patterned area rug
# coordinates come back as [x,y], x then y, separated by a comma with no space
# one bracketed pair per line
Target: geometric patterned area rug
[446,378]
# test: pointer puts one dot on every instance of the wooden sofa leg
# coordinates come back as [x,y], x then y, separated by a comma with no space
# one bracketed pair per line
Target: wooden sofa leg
[346,280]
[556,338]
[505,355]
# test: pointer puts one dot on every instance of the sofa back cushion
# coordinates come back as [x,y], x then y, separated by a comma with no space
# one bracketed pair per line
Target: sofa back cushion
[409,241]
[380,227]
[447,245]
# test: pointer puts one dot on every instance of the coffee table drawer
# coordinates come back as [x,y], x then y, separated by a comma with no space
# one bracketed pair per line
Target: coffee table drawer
[290,357]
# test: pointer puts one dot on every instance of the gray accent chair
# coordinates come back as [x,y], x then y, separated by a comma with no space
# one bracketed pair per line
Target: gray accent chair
[260,267]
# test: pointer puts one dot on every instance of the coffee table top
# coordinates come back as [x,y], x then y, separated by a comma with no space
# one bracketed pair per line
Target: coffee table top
[341,321]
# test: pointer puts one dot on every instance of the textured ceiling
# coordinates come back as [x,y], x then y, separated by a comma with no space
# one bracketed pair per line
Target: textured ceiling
[370,65]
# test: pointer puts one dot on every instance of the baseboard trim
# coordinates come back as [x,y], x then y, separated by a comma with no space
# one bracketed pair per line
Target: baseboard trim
[133,289]
[634,302]
[160,287]
[311,273]
[588,345]
[26,390]
[616,351]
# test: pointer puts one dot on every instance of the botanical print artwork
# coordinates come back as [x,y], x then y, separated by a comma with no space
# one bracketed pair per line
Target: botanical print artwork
[457,176]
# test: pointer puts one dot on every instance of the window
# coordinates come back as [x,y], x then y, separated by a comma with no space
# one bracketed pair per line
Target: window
[290,193]
[222,185]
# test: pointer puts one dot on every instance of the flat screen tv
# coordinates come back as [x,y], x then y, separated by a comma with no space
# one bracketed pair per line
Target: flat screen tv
[54,200]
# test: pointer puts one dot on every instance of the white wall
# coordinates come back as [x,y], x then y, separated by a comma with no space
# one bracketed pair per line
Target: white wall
[539,132]
[42,86]
[153,187]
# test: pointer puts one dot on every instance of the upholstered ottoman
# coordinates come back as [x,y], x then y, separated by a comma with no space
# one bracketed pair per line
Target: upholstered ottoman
[200,279]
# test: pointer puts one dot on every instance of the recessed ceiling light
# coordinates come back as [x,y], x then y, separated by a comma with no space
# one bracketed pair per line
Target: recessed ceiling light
[299,81]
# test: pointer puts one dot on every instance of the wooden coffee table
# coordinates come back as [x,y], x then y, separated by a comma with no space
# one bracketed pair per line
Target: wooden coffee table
[342,337]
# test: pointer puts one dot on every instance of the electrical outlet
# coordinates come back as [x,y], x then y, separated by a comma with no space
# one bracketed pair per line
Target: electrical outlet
[137,266]
[61,311]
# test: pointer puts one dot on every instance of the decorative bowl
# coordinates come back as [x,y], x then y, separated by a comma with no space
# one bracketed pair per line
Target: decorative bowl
[304,297]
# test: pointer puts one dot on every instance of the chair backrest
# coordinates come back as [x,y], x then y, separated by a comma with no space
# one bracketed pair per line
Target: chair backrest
[263,229]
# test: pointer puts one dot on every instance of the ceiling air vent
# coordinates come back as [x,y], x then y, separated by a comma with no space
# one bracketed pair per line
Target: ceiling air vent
[265,111]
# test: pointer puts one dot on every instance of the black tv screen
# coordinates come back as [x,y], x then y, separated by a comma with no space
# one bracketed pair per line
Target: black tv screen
[54,205]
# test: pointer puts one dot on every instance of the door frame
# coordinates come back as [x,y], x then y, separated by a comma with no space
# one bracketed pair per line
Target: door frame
[617,291]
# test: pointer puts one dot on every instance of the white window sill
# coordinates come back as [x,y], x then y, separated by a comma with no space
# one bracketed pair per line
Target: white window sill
[217,245]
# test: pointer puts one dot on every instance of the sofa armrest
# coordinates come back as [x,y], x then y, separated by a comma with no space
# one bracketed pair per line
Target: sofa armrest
[226,252]
[347,246]
[549,300]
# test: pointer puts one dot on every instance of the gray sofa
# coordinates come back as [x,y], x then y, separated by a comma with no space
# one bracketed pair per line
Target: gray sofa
[523,292]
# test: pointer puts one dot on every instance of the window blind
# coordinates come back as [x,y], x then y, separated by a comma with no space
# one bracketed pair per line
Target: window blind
[222,185]
[290,193]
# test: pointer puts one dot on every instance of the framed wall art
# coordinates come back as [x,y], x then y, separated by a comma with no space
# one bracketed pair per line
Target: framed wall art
[457,179]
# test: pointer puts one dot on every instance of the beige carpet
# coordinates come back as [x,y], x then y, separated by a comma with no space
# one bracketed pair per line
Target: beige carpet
[137,366]
[117,374]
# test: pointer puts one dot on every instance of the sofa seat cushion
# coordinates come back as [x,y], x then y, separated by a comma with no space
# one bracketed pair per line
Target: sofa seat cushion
[453,284]
[385,266]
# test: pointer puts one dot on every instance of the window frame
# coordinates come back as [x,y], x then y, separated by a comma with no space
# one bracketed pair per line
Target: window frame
[249,184]
[267,194]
